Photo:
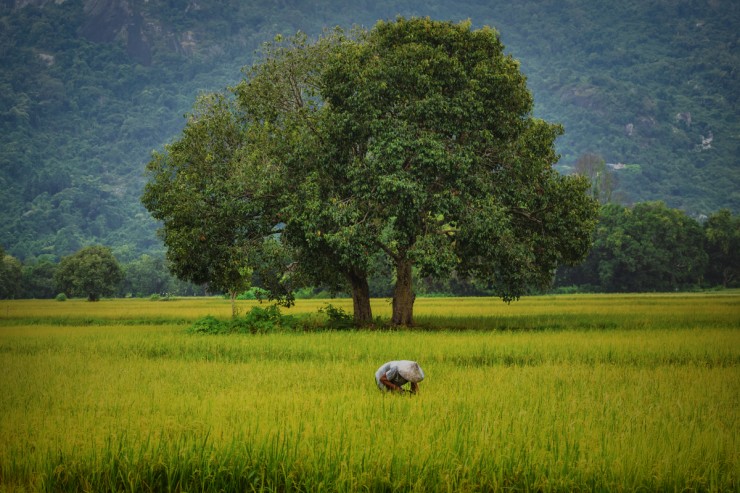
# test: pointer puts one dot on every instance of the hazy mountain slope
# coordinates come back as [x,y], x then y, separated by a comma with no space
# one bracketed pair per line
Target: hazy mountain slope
[89,88]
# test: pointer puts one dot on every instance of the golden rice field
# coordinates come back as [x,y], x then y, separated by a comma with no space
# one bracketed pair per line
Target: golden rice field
[551,393]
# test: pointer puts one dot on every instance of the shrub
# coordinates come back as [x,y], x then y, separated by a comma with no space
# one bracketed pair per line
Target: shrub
[253,294]
[61,297]
[338,319]
[208,325]
[160,297]
[257,321]
[260,320]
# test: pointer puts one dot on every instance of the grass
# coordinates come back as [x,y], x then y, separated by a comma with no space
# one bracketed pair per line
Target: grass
[531,313]
[537,398]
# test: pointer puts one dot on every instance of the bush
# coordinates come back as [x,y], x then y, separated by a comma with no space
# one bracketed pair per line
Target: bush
[338,319]
[253,294]
[160,297]
[208,325]
[61,297]
[260,320]
[257,321]
[269,319]
[314,294]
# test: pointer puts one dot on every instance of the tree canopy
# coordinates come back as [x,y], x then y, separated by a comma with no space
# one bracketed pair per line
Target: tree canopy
[214,222]
[415,140]
[433,143]
[92,272]
[722,245]
[648,247]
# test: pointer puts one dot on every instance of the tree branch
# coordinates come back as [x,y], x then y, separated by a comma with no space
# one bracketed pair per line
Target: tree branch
[387,250]
[524,213]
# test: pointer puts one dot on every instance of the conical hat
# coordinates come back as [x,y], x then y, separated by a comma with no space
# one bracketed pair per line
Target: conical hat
[411,371]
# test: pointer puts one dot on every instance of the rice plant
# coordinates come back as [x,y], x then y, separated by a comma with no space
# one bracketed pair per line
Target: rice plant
[541,397]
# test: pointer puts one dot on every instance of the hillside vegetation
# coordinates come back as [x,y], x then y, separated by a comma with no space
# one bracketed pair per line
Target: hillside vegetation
[89,89]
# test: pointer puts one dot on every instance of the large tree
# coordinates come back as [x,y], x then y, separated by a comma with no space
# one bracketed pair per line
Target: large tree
[92,271]
[434,149]
[414,139]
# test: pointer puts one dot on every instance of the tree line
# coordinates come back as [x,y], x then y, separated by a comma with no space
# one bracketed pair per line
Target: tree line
[92,272]
[644,248]
[650,247]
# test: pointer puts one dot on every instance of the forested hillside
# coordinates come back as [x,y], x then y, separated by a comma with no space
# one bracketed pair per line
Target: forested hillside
[89,88]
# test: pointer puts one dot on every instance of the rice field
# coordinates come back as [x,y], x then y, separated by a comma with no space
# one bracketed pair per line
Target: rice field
[552,393]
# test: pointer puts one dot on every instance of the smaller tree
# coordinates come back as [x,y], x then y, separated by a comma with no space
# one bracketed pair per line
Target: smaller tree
[38,279]
[722,244]
[93,272]
[603,180]
[205,188]
[147,275]
[10,275]
[648,247]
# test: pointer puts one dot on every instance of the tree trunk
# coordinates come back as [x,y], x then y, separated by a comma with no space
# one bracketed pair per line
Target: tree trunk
[727,277]
[360,298]
[403,295]
[234,309]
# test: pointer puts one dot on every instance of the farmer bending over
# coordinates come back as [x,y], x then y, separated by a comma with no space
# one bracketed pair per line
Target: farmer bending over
[392,375]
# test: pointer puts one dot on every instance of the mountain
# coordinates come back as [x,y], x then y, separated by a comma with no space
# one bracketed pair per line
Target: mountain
[88,88]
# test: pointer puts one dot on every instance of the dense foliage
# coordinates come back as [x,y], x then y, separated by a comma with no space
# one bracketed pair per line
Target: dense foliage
[625,237]
[414,139]
[212,227]
[87,93]
[653,248]
[722,245]
[92,272]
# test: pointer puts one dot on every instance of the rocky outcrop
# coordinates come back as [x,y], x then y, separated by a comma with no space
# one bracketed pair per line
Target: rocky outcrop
[105,19]
[22,3]
[108,21]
